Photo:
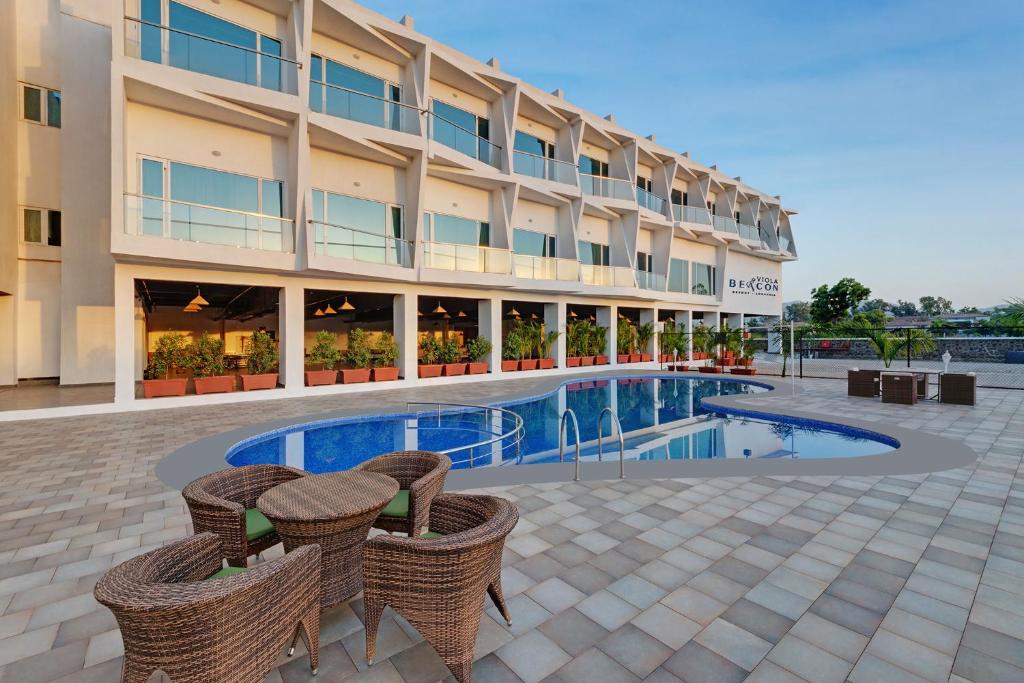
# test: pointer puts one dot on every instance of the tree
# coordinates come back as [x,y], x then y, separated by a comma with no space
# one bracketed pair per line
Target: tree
[904,308]
[969,309]
[932,306]
[875,305]
[798,311]
[829,304]
[1016,310]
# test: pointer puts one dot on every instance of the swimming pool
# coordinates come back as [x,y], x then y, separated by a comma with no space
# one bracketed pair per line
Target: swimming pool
[662,419]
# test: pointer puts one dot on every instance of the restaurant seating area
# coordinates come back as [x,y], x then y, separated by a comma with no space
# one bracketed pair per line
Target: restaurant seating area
[910,385]
[198,611]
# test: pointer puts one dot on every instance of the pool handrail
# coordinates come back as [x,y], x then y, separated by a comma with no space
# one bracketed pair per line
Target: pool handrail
[561,439]
[517,431]
[622,443]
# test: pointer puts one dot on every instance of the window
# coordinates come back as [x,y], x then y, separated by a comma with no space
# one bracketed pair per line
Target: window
[349,93]
[645,262]
[533,243]
[592,254]
[703,279]
[531,144]
[351,227]
[593,166]
[40,105]
[677,275]
[456,230]
[41,226]
[644,183]
[461,130]
[679,197]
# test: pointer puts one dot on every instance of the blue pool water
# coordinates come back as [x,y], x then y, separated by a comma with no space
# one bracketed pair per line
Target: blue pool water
[662,418]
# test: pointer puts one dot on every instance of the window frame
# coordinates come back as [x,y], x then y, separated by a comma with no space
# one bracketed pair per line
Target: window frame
[45,225]
[389,208]
[166,163]
[430,229]
[713,278]
[44,105]
[550,243]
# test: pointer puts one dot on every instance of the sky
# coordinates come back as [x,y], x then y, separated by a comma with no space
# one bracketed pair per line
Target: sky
[896,129]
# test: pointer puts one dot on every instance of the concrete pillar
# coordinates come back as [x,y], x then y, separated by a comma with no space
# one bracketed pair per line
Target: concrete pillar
[295,450]
[124,336]
[292,328]
[608,316]
[647,316]
[734,319]
[406,324]
[489,316]
[554,319]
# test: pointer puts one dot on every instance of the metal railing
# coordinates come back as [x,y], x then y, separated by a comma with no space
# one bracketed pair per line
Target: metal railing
[691,214]
[508,425]
[622,443]
[536,166]
[453,135]
[466,258]
[749,232]
[162,44]
[608,276]
[342,241]
[725,224]
[345,103]
[545,268]
[650,201]
[784,244]
[648,280]
[601,186]
[768,239]
[191,222]
[561,439]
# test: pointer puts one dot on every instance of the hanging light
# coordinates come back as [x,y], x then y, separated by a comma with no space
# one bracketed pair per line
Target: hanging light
[192,308]
[347,306]
[461,314]
[199,300]
[533,316]
[446,317]
[319,313]
[572,314]
[329,310]
[440,309]
[593,318]
[419,314]
[513,313]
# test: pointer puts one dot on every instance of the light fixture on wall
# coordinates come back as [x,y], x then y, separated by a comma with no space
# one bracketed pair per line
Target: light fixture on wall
[347,306]
[319,313]
[440,309]
[199,300]
[329,310]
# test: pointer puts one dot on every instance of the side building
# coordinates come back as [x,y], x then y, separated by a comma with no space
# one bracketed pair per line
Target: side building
[309,165]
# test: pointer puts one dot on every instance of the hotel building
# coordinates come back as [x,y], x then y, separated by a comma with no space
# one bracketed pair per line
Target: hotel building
[304,165]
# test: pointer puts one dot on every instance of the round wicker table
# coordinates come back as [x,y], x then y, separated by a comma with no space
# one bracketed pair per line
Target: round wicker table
[334,511]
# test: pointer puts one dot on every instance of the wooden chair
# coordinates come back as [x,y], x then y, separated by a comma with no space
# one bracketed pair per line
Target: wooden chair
[957,389]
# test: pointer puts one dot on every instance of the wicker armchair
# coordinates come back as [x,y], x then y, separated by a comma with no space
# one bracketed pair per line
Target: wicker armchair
[899,388]
[958,389]
[420,476]
[224,503]
[227,629]
[438,583]
[864,383]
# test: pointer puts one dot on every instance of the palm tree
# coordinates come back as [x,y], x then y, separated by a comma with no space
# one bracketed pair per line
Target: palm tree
[1016,311]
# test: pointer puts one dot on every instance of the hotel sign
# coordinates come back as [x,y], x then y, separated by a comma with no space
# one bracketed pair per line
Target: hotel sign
[759,285]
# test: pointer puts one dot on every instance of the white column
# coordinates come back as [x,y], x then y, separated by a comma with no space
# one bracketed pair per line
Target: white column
[489,316]
[647,316]
[406,325]
[554,319]
[735,319]
[292,328]
[608,316]
[124,335]
[295,450]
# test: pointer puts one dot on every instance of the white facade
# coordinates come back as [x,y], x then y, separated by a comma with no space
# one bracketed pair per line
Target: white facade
[136,101]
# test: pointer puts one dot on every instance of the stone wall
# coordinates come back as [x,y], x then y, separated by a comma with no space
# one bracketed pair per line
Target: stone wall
[962,349]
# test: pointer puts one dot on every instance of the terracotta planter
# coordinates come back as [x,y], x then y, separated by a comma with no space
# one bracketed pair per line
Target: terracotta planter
[476,368]
[572,362]
[745,362]
[454,369]
[316,378]
[587,360]
[682,368]
[635,358]
[727,362]
[528,364]
[155,388]
[509,365]
[355,375]
[430,370]
[264,381]
[744,371]
[221,384]
[385,374]
[622,358]
[600,360]
[711,369]
[547,363]
[645,358]
[664,358]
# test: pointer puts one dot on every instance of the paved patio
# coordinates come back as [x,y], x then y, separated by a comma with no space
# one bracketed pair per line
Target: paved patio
[765,579]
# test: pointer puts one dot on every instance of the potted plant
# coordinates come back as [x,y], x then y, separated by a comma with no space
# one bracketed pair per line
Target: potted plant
[577,336]
[168,357]
[747,358]
[358,356]
[644,335]
[262,362]
[207,364]
[528,333]
[477,350]
[384,369]
[511,350]
[599,344]
[323,356]
[624,340]
[430,357]
[450,355]
[546,341]
[703,341]
[712,368]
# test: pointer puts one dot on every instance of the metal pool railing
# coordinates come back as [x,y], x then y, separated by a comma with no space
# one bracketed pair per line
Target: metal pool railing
[505,428]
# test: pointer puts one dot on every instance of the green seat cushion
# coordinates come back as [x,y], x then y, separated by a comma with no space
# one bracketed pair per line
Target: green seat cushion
[226,571]
[399,505]
[430,535]
[256,524]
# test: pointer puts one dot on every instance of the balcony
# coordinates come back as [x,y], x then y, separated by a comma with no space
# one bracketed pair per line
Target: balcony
[652,281]
[545,268]
[784,244]
[749,232]
[608,276]
[263,67]
[725,224]
[466,258]
[463,140]
[190,222]
[340,241]
[600,186]
[353,105]
[691,214]
[650,201]
[536,166]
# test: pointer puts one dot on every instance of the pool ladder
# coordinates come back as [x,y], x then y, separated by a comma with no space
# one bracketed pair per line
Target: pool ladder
[600,440]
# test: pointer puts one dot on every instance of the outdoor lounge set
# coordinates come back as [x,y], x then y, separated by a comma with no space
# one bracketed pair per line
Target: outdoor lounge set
[910,385]
[183,612]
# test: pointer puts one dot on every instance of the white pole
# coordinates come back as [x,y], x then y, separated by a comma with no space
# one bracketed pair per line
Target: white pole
[792,358]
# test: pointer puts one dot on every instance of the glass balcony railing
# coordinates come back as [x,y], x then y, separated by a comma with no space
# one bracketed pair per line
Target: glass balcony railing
[749,232]
[784,244]
[600,186]
[537,166]
[466,258]
[650,201]
[265,68]
[353,105]
[648,280]
[466,141]
[342,241]
[190,222]
[608,276]
[724,224]
[545,268]
[691,214]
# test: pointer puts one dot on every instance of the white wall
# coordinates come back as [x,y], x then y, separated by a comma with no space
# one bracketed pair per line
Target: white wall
[39,312]
[356,177]
[459,98]
[596,230]
[346,54]
[752,285]
[444,196]
[537,217]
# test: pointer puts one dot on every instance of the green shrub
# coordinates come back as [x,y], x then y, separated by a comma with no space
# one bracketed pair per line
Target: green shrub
[512,348]
[324,353]
[450,352]
[478,349]
[358,353]
[207,356]
[263,356]
[171,353]
[387,350]
[430,350]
